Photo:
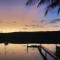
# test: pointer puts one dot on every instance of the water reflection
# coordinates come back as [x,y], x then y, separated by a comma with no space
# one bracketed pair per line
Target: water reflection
[24,52]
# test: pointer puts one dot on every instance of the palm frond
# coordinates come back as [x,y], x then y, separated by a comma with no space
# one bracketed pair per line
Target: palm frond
[52,4]
[43,1]
[40,2]
[28,2]
[46,12]
[31,2]
[58,9]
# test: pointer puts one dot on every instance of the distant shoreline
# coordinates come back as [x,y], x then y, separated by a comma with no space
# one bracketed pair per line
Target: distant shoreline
[52,37]
[29,31]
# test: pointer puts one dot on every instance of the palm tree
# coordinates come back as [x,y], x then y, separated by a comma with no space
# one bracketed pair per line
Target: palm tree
[51,4]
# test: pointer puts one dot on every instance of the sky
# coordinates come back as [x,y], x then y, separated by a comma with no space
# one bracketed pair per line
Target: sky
[15,16]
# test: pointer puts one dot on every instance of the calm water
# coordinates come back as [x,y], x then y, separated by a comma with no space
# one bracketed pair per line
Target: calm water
[21,52]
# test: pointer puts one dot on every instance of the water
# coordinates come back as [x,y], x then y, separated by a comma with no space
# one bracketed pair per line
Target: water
[21,52]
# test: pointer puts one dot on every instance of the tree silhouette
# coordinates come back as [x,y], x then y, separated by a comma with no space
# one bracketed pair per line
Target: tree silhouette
[51,4]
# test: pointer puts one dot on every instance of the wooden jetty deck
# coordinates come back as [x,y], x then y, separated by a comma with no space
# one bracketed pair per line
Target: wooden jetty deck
[40,47]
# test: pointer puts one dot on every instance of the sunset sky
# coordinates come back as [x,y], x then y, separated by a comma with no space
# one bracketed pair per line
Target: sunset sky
[16,16]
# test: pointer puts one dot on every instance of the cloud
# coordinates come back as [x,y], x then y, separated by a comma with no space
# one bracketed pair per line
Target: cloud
[55,26]
[55,21]
[25,28]
[35,26]
[42,21]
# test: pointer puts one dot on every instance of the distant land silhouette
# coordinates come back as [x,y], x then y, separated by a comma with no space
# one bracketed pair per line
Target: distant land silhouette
[30,37]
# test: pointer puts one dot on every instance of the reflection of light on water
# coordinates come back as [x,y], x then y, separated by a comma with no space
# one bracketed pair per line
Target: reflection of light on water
[19,52]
